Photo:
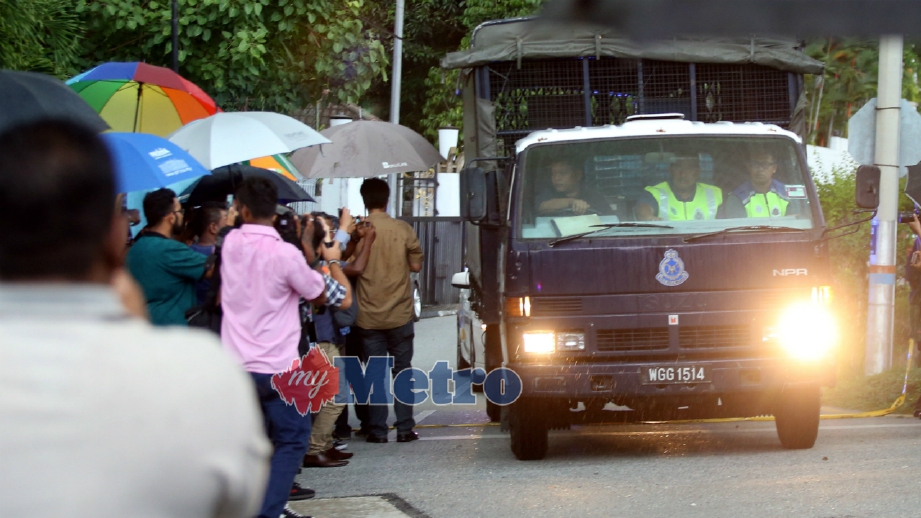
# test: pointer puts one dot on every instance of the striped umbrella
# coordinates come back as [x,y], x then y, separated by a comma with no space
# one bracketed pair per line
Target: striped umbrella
[142,98]
[278,163]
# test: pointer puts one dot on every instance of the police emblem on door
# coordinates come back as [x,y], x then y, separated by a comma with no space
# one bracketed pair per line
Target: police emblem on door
[671,269]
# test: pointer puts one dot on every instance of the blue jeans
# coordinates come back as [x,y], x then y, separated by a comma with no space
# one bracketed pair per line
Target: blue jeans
[397,342]
[289,432]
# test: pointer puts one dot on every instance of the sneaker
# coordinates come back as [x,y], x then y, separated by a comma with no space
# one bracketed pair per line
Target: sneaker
[301,493]
[287,512]
[340,445]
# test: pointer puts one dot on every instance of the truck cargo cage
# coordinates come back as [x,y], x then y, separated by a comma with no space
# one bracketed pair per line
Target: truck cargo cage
[565,93]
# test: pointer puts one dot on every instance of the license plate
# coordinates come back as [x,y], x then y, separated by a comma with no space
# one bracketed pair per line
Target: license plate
[675,374]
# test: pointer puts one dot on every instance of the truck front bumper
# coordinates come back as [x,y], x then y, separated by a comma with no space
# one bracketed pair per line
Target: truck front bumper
[612,380]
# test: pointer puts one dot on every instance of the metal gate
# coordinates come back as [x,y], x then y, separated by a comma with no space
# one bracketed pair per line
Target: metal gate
[442,241]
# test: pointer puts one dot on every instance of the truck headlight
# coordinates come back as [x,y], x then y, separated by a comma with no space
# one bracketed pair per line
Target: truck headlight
[539,342]
[805,331]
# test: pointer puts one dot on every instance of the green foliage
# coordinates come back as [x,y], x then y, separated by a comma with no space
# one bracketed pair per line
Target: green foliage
[849,267]
[248,54]
[39,35]
[850,80]
[876,392]
[443,101]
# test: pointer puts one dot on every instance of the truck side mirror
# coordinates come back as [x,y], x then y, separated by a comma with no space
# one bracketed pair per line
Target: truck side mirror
[867,195]
[473,194]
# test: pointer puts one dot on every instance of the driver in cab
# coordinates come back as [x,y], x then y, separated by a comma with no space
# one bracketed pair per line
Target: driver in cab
[568,194]
[681,198]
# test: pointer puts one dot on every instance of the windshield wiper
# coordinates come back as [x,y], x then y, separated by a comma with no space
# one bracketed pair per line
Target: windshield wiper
[747,228]
[605,227]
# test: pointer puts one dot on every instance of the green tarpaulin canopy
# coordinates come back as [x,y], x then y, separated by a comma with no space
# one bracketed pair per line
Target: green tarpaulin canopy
[528,38]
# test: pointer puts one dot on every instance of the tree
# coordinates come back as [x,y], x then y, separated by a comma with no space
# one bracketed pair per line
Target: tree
[443,105]
[39,35]
[430,96]
[850,80]
[274,55]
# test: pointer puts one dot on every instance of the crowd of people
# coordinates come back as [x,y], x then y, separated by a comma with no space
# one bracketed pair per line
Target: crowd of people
[148,364]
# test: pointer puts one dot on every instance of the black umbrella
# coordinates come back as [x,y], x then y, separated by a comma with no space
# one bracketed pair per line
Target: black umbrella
[30,96]
[224,181]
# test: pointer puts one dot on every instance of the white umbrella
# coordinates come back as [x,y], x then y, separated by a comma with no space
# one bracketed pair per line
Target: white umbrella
[227,138]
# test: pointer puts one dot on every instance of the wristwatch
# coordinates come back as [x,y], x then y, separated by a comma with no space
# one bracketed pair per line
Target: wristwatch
[334,261]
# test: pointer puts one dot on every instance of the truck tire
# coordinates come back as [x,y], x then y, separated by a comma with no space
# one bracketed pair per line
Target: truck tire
[417,302]
[528,429]
[797,417]
[462,362]
[493,360]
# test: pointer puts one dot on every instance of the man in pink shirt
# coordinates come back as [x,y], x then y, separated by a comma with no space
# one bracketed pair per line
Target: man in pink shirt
[262,279]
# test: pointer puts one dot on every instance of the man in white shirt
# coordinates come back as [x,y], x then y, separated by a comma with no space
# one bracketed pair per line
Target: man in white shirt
[143,421]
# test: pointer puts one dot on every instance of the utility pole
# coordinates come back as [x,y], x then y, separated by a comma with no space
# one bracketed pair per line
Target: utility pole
[396,78]
[175,25]
[881,310]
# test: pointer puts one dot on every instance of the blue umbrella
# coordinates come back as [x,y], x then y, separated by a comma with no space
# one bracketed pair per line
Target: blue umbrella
[144,161]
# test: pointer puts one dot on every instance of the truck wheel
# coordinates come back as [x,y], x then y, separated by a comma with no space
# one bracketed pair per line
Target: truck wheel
[493,360]
[528,428]
[462,362]
[417,302]
[797,417]
[494,411]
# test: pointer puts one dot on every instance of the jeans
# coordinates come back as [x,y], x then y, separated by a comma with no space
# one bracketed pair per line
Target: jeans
[353,348]
[397,342]
[289,432]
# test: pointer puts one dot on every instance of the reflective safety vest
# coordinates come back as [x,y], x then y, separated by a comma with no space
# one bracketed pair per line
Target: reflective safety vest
[706,200]
[772,204]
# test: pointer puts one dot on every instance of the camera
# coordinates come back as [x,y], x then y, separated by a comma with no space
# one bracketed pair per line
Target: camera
[908,217]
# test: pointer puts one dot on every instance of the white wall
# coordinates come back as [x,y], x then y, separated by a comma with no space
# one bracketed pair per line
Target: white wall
[822,160]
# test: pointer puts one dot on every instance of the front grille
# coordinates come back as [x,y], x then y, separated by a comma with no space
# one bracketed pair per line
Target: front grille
[699,337]
[556,306]
[646,339]
[781,299]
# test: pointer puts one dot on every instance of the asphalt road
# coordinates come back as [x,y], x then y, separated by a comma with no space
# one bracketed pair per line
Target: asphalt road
[859,467]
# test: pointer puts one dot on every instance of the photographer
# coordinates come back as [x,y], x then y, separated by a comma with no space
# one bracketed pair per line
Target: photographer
[913,276]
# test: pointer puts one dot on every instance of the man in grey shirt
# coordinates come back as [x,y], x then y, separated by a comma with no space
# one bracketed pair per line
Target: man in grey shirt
[140,421]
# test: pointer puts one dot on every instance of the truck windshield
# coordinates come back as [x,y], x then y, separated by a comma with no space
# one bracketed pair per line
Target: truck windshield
[691,185]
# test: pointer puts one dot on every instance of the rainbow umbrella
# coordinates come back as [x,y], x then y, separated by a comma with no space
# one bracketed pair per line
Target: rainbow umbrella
[278,163]
[142,98]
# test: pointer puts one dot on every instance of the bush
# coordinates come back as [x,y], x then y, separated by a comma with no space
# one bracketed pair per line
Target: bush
[849,269]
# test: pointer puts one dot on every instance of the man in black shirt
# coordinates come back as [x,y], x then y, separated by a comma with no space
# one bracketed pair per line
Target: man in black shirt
[569,195]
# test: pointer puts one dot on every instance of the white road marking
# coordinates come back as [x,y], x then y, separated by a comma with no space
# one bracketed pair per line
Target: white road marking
[422,415]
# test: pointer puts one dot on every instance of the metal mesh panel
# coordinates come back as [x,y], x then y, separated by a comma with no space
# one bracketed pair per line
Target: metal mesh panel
[615,90]
[666,88]
[540,95]
[551,94]
[742,93]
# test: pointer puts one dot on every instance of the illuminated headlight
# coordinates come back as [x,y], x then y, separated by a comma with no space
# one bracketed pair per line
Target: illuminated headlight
[539,343]
[805,331]
[570,341]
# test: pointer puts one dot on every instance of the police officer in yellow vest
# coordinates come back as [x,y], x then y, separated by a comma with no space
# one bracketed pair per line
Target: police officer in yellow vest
[762,196]
[682,197]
